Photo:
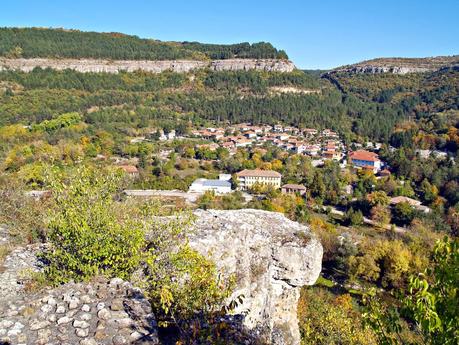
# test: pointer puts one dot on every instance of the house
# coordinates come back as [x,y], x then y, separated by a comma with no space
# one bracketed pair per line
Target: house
[250,134]
[299,148]
[278,128]
[365,160]
[398,199]
[131,170]
[329,133]
[309,131]
[202,185]
[416,204]
[331,154]
[228,145]
[294,188]
[243,142]
[247,178]
[312,150]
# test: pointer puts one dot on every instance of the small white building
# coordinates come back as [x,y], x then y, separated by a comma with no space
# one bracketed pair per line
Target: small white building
[202,185]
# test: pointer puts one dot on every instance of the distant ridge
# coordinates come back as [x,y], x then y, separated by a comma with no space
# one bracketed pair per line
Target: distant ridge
[400,65]
[75,44]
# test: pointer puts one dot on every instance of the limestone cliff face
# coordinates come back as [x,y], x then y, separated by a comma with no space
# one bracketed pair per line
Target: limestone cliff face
[271,256]
[115,66]
[400,65]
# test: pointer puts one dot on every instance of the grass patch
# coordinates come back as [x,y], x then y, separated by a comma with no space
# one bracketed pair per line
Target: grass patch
[321,281]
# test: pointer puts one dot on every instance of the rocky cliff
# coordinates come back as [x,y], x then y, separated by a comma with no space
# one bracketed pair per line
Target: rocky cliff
[272,258]
[400,65]
[115,66]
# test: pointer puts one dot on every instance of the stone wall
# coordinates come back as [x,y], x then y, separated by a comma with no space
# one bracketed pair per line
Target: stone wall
[115,66]
[95,313]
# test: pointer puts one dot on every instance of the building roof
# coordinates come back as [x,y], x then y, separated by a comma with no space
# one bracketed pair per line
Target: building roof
[364,155]
[399,199]
[294,186]
[258,173]
[212,183]
[130,169]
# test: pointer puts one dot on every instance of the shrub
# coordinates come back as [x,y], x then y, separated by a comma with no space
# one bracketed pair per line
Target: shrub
[332,320]
[90,233]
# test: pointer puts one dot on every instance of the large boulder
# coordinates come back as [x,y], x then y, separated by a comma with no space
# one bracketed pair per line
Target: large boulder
[271,256]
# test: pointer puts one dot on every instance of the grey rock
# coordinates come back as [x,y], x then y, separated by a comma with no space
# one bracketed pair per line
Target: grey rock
[86,308]
[100,305]
[80,324]
[60,309]
[86,317]
[36,325]
[89,341]
[46,308]
[64,320]
[52,318]
[272,257]
[104,314]
[82,332]
[43,335]
[117,304]
[74,302]
[52,301]
[85,299]
[119,340]
[6,323]
[115,282]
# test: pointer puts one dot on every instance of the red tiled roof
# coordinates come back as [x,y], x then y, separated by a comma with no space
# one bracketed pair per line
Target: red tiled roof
[294,186]
[258,173]
[364,156]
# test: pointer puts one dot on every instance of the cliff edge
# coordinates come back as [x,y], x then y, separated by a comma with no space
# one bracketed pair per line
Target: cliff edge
[115,66]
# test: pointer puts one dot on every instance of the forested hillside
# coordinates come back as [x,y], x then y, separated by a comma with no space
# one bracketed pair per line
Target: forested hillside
[60,43]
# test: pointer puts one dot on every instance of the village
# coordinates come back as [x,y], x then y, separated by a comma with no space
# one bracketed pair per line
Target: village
[319,145]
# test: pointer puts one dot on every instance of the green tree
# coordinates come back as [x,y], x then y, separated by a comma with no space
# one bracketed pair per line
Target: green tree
[403,213]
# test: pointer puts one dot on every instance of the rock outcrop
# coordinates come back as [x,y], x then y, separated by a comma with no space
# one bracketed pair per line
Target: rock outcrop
[115,66]
[400,65]
[271,257]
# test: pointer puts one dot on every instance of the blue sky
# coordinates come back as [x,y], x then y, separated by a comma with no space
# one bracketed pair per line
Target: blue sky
[316,34]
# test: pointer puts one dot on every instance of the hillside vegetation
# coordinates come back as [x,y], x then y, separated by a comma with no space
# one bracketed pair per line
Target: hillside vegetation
[60,43]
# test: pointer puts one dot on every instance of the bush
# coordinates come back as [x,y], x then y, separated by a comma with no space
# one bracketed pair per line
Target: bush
[332,320]
[354,217]
[90,233]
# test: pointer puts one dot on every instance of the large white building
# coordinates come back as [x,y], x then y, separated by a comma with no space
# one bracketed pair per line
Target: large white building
[202,185]
[247,178]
